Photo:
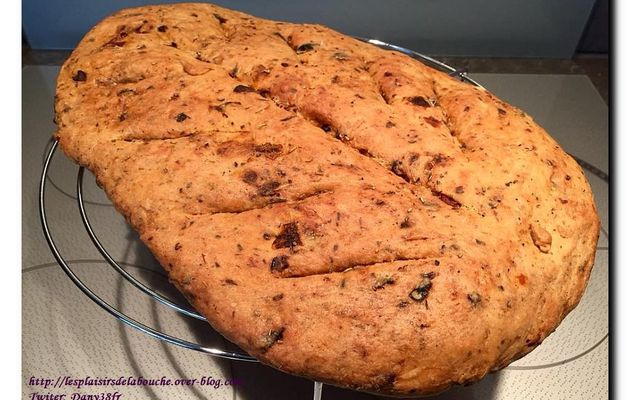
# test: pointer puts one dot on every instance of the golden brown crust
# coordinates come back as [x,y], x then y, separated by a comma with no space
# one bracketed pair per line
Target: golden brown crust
[339,211]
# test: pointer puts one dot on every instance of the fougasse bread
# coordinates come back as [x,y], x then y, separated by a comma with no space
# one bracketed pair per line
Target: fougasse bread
[339,211]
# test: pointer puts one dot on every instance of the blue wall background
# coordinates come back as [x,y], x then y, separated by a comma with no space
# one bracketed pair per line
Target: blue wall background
[494,28]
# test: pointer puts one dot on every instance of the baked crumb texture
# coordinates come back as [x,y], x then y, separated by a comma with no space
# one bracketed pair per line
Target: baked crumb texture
[339,211]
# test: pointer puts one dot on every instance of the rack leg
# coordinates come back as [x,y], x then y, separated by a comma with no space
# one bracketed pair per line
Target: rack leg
[317,390]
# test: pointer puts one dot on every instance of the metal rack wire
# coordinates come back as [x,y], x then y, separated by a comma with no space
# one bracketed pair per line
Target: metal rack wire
[461,73]
[182,309]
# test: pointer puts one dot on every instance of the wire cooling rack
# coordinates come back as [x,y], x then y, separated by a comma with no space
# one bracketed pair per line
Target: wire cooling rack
[185,309]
